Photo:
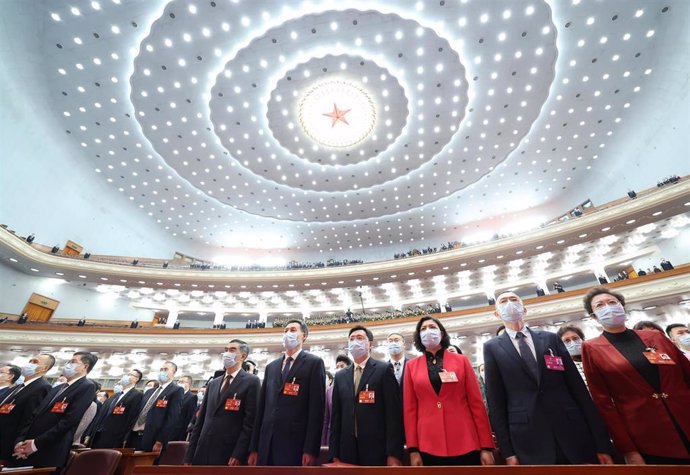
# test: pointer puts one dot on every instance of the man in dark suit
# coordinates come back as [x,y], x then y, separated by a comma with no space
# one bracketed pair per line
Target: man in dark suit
[46,438]
[119,413]
[157,419]
[540,409]
[396,351]
[223,430]
[366,427]
[188,408]
[291,405]
[8,379]
[18,406]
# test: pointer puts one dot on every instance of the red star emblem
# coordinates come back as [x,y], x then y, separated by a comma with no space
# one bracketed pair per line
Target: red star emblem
[337,115]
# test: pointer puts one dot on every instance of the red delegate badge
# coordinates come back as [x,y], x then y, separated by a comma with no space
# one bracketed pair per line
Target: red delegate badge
[6,408]
[119,410]
[233,404]
[553,362]
[162,403]
[366,396]
[59,407]
[448,376]
[655,357]
[291,389]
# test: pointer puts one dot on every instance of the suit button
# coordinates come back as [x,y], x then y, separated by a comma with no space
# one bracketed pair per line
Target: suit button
[438,404]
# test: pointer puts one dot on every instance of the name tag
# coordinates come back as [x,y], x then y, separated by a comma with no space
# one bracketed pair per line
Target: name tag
[59,407]
[658,358]
[291,389]
[162,403]
[119,410]
[448,377]
[232,404]
[367,397]
[554,363]
[6,408]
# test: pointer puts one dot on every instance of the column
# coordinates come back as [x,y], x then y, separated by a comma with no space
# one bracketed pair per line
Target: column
[172,318]
[218,317]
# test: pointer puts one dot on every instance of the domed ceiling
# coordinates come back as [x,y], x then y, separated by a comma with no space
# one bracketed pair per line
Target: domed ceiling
[329,126]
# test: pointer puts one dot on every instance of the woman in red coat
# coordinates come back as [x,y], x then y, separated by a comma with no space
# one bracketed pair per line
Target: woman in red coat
[640,382]
[445,418]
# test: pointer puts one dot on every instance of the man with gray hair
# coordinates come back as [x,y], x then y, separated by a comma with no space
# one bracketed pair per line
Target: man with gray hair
[224,425]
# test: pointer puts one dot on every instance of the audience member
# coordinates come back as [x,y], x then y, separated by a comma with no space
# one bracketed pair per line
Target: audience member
[680,336]
[342,361]
[640,383]
[459,433]
[8,378]
[188,408]
[366,426]
[648,325]
[119,413]
[557,422]
[572,337]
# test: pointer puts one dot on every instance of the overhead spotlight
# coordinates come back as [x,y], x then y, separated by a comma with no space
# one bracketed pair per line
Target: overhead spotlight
[87,255]
[135,262]
[30,238]
[55,249]
[165,265]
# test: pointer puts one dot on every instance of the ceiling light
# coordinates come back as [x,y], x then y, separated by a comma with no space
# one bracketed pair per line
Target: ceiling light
[55,16]
[75,11]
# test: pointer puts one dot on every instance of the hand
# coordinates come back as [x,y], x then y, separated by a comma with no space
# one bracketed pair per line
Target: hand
[336,460]
[487,457]
[416,459]
[308,459]
[634,458]
[392,461]
[512,460]
[251,460]
[233,462]
[604,459]
[157,447]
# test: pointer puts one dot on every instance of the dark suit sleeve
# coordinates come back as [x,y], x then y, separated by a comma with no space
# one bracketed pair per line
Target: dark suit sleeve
[134,408]
[317,399]
[497,399]
[579,391]
[254,445]
[393,408]
[336,420]
[196,431]
[172,415]
[80,402]
[242,445]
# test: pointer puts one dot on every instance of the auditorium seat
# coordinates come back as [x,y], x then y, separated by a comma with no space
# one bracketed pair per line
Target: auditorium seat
[94,462]
[174,453]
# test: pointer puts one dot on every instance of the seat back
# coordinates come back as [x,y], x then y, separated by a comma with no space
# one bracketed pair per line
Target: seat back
[174,453]
[94,462]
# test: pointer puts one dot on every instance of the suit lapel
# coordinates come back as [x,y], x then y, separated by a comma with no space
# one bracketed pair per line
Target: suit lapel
[230,390]
[507,345]
[295,366]
[366,374]
[540,350]
[350,379]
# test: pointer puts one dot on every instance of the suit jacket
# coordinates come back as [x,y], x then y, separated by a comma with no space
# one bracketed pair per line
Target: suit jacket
[452,423]
[186,413]
[327,417]
[5,391]
[25,403]
[288,426]
[116,420]
[53,432]
[379,425]
[530,417]
[637,420]
[161,421]
[220,434]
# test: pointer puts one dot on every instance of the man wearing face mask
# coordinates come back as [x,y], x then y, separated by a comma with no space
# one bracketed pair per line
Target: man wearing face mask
[157,419]
[396,351]
[225,422]
[572,337]
[539,406]
[188,408]
[46,438]
[680,336]
[8,379]
[17,406]
[366,427]
[640,383]
[119,413]
[291,405]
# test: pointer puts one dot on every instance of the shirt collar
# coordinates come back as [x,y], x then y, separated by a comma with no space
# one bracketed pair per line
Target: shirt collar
[163,386]
[294,357]
[513,334]
[70,383]
[26,383]
[125,391]
[363,364]
[233,375]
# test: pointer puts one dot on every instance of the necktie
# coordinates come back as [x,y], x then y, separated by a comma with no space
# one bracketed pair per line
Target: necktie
[286,368]
[397,367]
[226,383]
[62,387]
[358,376]
[527,356]
[12,393]
[141,420]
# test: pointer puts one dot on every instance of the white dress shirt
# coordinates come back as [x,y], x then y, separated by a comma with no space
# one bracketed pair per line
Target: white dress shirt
[528,338]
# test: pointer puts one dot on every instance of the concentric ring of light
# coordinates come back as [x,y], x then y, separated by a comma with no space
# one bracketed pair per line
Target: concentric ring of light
[322,99]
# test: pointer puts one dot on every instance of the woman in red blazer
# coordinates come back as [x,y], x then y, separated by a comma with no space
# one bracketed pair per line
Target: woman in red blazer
[445,418]
[640,382]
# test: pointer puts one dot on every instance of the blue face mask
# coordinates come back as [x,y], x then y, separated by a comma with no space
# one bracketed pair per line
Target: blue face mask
[511,311]
[229,359]
[163,377]
[685,341]
[394,348]
[290,340]
[29,369]
[611,316]
[358,348]
[20,380]
[69,370]
[117,389]
[574,347]
[124,380]
[431,337]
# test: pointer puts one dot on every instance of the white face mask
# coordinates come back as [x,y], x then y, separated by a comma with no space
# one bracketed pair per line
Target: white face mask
[229,359]
[511,311]
[117,389]
[431,337]
[685,340]
[611,316]
[574,347]
[124,380]
[394,348]
[290,340]
[29,369]
[358,348]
